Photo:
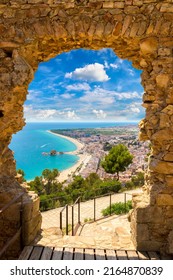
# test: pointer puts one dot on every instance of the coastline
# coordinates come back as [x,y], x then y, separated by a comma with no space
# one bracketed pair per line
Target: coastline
[83,158]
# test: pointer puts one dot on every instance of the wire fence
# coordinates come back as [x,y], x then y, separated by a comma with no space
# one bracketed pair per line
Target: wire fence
[69,217]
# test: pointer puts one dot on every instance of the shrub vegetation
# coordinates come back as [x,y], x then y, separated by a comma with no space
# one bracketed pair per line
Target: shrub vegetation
[118,208]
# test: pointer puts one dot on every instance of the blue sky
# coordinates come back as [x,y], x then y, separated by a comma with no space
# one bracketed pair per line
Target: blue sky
[85,85]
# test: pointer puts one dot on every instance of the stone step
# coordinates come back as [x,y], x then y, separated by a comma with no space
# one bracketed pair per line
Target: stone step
[100,241]
[112,232]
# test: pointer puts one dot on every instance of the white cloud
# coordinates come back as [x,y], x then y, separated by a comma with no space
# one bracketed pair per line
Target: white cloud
[131,72]
[45,69]
[33,114]
[30,112]
[34,95]
[92,72]
[134,107]
[100,114]
[72,115]
[106,65]
[78,87]
[107,97]
[98,96]
[111,65]
[128,95]
[135,110]
[120,61]
[114,65]
[67,95]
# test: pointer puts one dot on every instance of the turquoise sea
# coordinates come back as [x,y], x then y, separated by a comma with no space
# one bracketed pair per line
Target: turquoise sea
[29,144]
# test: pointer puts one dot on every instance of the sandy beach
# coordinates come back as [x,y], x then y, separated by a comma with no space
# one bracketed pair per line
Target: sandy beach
[83,158]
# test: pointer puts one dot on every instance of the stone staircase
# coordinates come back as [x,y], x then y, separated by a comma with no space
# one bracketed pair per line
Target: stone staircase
[108,233]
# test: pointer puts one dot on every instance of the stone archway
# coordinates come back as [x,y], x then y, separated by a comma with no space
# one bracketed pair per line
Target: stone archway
[139,30]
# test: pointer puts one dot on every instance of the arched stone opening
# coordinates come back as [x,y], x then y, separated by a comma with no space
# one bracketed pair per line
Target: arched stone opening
[36,30]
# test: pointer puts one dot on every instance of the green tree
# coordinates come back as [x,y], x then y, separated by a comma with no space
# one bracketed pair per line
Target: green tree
[117,160]
[138,180]
[37,186]
[76,188]
[21,172]
[49,176]
[93,179]
[109,186]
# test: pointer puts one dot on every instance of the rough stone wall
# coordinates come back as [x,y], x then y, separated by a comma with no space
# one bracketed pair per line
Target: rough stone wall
[32,31]
[11,219]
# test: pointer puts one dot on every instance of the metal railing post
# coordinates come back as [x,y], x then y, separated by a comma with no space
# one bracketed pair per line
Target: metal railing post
[125,202]
[67,220]
[72,220]
[94,208]
[60,220]
[79,211]
[110,204]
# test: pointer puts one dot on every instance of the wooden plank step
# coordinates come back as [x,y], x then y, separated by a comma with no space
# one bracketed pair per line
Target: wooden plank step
[143,255]
[99,254]
[79,254]
[89,254]
[47,253]
[68,254]
[57,253]
[111,255]
[36,253]
[132,255]
[26,253]
[153,255]
[121,255]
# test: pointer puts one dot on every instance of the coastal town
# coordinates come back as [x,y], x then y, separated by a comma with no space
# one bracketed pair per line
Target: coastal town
[94,144]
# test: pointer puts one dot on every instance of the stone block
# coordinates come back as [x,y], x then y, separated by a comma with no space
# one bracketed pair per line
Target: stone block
[149,214]
[119,5]
[127,22]
[142,28]
[149,45]
[143,63]
[163,135]
[31,228]
[60,31]
[31,207]
[168,157]
[162,167]
[166,8]
[164,52]
[170,242]
[117,29]
[137,2]
[129,2]
[134,29]
[13,213]
[169,180]
[131,10]
[164,199]
[99,30]
[169,223]
[162,80]
[169,211]
[108,5]
[142,232]
[164,120]
[148,245]
[168,110]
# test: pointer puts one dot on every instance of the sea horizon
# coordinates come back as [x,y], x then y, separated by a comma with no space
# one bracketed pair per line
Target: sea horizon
[34,140]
